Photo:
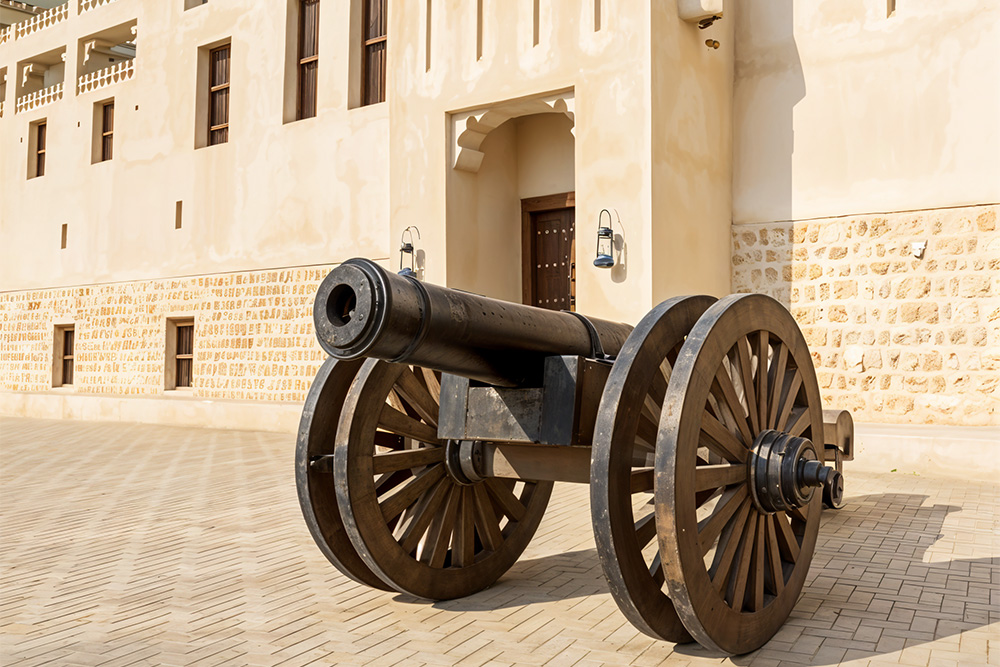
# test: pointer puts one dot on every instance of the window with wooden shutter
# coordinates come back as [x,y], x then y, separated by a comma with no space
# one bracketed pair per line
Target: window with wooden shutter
[308,58]
[185,354]
[64,355]
[107,131]
[68,356]
[373,36]
[218,96]
[40,132]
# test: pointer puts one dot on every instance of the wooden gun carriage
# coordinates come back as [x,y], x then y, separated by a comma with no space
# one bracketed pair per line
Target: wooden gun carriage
[431,438]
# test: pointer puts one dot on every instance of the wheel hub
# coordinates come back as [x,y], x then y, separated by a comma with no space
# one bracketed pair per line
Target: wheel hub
[463,459]
[785,470]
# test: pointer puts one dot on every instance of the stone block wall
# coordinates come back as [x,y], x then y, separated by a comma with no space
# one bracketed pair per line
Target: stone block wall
[895,338]
[253,334]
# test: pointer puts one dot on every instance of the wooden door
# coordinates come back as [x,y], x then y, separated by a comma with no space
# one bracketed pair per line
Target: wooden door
[550,270]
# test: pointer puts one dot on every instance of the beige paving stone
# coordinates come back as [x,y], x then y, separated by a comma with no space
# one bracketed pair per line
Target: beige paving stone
[126,544]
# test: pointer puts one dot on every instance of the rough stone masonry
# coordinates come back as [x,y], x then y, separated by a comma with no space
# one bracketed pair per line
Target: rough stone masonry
[895,337]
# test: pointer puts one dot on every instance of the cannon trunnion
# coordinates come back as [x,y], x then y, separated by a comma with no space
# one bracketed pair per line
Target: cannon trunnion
[432,436]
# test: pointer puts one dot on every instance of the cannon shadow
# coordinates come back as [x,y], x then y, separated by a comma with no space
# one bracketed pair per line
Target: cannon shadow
[872,589]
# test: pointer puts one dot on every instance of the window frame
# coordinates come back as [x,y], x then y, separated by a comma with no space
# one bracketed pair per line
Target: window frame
[303,61]
[41,138]
[369,97]
[107,134]
[185,334]
[62,334]
[215,89]
[173,358]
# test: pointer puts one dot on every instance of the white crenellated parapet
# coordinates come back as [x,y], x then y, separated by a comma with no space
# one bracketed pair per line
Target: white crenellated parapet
[39,98]
[41,21]
[87,5]
[122,71]
[470,128]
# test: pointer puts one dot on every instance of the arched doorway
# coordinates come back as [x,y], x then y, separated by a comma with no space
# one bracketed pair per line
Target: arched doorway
[511,203]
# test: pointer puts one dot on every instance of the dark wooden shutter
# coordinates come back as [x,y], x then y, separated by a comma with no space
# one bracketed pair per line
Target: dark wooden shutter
[107,131]
[40,150]
[374,38]
[308,57]
[218,93]
[185,354]
[68,356]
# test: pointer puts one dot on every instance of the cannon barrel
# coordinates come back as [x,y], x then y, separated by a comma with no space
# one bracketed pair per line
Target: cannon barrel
[362,310]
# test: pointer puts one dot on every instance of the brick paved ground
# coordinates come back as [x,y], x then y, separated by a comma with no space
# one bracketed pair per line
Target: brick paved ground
[142,545]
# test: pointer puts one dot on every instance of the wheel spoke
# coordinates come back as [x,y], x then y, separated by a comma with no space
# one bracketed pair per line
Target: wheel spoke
[714,476]
[651,409]
[746,377]
[464,544]
[439,534]
[724,384]
[762,350]
[406,458]
[757,571]
[711,527]
[487,523]
[776,378]
[656,571]
[788,399]
[390,481]
[743,566]
[722,565]
[800,421]
[646,432]
[787,542]
[397,422]
[721,441]
[416,394]
[406,495]
[511,506]
[798,514]
[642,480]
[432,383]
[421,519]
[774,559]
[645,530]
[389,440]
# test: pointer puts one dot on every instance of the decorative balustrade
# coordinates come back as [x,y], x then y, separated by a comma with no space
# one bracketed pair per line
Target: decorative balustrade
[87,5]
[121,71]
[39,98]
[6,34]
[40,21]
[1,108]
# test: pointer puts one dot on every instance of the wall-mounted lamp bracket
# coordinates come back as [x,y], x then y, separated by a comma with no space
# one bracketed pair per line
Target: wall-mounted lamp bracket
[406,248]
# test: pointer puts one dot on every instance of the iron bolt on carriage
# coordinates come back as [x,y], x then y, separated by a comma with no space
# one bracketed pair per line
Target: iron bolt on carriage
[431,438]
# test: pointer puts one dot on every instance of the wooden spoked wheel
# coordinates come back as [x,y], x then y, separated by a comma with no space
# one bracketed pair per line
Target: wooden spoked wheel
[415,525]
[733,570]
[314,477]
[621,472]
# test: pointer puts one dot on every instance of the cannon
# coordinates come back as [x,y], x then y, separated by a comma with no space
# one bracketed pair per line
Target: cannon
[432,436]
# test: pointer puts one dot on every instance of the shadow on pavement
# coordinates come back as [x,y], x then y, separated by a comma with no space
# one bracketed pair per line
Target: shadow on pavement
[869,593]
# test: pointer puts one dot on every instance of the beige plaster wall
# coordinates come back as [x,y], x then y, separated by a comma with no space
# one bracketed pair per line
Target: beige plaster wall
[608,75]
[840,109]
[895,338]
[278,194]
[691,203]
[545,150]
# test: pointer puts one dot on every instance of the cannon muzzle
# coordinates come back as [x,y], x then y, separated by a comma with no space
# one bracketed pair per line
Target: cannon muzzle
[362,310]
